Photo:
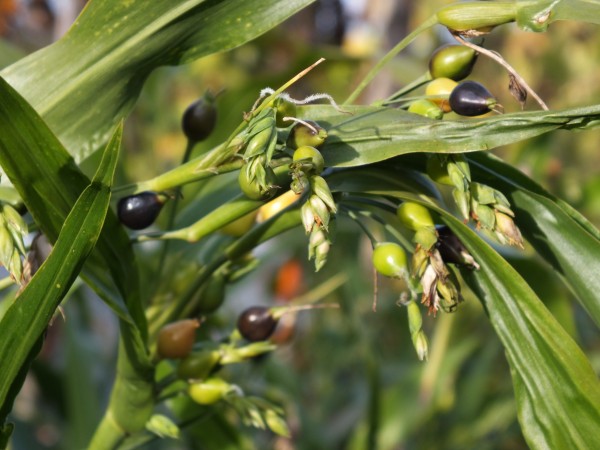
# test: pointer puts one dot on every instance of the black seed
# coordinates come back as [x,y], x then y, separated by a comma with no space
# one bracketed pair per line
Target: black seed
[452,250]
[199,120]
[470,98]
[256,323]
[139,211]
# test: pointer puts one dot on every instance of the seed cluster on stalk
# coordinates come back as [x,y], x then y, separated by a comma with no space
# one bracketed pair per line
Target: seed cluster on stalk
[318,209]
[439,285]
[487,206]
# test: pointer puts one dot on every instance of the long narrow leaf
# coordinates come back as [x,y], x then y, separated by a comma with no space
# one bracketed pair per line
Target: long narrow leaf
[89,80]
[371,134]
[49,183]
[557,391]
[565,239]
[25,321]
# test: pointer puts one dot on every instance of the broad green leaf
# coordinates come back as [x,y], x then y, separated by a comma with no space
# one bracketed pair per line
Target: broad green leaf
[23,324]
[567,241]
[371,134]
[89,80]
[49,183]
[557,391]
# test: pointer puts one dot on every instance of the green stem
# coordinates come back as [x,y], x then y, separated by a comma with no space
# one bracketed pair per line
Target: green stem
[132,398]
[417,83]
[321,291]
[439,345]
[179,176]
[389,56]
[276,225]
[6,282]
[362,226]
[216,219]
[171,217]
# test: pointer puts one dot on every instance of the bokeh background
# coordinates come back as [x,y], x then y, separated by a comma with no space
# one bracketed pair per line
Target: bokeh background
[348,378]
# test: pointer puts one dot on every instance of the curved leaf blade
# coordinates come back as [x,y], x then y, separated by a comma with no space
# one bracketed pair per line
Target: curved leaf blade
[372,134]
[557,391]
[567,241]
[49,183]
[114,45]
[24,322]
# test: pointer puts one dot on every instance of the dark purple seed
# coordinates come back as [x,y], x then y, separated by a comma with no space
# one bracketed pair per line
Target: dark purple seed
[470,98]
[256,323]
[140,210]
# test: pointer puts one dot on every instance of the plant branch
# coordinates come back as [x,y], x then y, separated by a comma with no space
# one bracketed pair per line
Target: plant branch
[389,56]
[496,57]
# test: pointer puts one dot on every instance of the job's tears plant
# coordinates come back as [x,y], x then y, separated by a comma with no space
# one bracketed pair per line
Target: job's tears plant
[384,168]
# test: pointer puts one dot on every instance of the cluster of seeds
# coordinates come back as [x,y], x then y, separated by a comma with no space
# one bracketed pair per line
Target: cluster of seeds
[429,276]
[446,92]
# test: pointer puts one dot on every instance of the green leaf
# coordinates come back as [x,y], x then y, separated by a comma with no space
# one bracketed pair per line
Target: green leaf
[49,183]
[23,324]
[557,391]
[563,237]
[371,134]
[89,80]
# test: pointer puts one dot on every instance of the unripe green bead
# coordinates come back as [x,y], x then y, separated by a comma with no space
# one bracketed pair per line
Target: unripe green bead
[437,169]
[452,61]
[198,365]
[414,216]
[311,155]
[426,108]
[389,259]
[209,391]
[283,108]
[301,135]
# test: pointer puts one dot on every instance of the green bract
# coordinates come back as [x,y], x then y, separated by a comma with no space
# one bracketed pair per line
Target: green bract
[389,259]
[480,16]
[252,187]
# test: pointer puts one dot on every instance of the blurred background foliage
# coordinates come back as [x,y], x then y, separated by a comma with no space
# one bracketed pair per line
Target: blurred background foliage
[347,378]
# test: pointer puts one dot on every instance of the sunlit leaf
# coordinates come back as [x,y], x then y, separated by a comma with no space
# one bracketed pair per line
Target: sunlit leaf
[89,80]
[557,391]
[372,134]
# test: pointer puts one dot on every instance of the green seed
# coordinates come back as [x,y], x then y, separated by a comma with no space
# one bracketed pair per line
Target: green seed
[452,61]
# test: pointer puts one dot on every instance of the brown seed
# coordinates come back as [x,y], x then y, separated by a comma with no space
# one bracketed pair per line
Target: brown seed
[176,339]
